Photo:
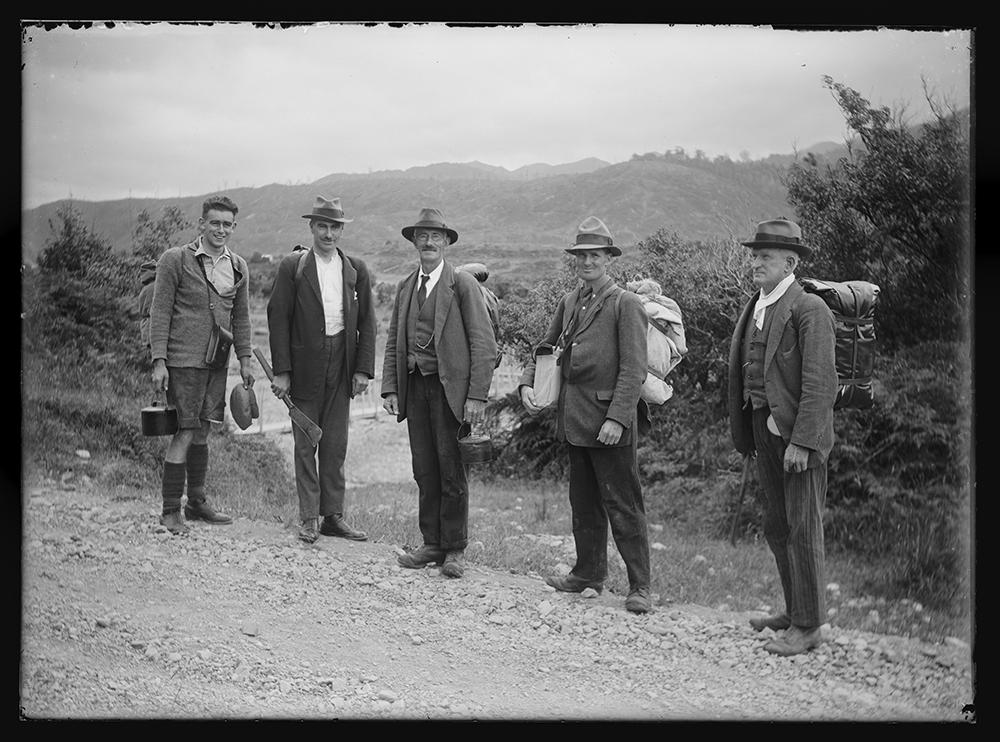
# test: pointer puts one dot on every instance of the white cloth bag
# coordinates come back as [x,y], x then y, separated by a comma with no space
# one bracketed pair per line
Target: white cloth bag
[548,376]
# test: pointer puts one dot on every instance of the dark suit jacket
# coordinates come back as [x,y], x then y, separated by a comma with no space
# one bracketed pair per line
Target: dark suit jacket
[297,325]
[463,341]
[606,366]
[800,374]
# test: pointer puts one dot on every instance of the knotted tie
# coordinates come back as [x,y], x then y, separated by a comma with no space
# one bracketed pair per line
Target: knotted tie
[422,291]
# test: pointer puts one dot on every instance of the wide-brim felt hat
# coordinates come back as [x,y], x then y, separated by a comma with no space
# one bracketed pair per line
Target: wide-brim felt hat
[243,406]
[592,234]
[780,233]
[327,210]
[430,219]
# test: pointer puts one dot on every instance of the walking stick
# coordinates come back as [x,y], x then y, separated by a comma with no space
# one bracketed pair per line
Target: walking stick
[739,505]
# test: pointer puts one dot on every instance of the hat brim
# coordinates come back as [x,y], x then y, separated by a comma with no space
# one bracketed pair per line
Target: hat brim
[407,232]
[239,407]
[615,250]
[804,251]
[324,218]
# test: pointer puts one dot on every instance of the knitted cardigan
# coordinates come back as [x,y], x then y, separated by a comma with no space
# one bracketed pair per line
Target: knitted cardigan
[181,319]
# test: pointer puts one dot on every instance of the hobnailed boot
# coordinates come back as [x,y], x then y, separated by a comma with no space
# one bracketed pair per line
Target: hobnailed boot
[201,510]
[309,531]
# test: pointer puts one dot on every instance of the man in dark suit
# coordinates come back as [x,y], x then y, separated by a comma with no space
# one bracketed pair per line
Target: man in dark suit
[782,387]
[439,358]
[322,336]
[599,333]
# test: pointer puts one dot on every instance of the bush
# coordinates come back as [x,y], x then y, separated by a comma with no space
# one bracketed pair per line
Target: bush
[899,474]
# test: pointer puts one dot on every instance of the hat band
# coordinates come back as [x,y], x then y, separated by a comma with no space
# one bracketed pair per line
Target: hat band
[768,237]
[431,225]
[593,239]
[329,213]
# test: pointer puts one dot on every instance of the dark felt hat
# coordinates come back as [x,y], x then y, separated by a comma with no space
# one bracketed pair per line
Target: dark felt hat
[430,219]
[592,234]
[327,210]
[780,233]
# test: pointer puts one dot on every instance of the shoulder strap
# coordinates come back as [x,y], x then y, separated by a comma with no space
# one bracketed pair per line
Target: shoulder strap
[300,267]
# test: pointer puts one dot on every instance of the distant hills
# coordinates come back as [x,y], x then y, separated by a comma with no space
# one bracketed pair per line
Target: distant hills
[516,221]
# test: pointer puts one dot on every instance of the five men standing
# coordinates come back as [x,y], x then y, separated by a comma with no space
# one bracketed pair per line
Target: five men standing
[782,387]
[197,286]
[322,336]
[439,360]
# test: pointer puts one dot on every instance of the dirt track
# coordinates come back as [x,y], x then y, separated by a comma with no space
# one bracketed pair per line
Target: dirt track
[244,621]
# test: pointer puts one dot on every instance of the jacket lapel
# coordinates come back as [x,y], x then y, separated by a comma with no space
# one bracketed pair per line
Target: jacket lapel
[311,276]
[570,308]
[782,311]
[445,292]
[402,314]
[591,312]
[350,281]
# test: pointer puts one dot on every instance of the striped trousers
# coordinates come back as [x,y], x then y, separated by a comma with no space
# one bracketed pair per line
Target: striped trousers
[793,525]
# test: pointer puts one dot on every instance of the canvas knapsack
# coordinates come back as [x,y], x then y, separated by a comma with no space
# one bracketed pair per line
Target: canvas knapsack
[144,300]
[853,306]
[665,341]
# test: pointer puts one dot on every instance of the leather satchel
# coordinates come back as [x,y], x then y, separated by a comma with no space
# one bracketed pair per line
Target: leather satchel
[220,342]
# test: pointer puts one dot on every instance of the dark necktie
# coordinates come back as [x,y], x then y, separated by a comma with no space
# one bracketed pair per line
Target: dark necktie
[422,291]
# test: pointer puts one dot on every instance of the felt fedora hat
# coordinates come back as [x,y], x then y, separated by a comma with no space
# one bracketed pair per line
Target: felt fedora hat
[780,233]
[327,210]
[243,406]
[593,234]
[430,219]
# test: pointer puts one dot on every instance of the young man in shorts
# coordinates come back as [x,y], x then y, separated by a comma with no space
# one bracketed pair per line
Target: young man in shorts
[197,285]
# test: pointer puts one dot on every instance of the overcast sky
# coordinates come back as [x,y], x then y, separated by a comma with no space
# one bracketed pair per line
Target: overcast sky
[165,110]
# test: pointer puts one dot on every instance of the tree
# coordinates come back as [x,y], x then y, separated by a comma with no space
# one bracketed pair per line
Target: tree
[895,212]
[152,236]
[80,302]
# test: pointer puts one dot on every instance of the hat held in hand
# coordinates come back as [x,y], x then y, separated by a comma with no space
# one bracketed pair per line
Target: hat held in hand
[243,406]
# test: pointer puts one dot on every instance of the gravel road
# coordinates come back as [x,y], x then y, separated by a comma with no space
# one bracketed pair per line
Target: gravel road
[122,621]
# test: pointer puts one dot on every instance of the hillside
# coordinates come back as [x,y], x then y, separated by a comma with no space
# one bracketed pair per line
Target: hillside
[524,221]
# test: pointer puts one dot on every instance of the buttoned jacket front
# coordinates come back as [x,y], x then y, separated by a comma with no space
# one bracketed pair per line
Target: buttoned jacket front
[800,374]
[603,370]
[463,341]
[297,324]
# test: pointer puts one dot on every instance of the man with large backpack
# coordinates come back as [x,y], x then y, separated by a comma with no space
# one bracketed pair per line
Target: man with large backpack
[782,389]
[322,335]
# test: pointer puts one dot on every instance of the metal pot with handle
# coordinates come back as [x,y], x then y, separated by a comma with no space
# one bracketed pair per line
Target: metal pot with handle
[159,418]
[474,449]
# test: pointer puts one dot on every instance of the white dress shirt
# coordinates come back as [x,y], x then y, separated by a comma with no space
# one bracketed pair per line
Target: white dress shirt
[331,286]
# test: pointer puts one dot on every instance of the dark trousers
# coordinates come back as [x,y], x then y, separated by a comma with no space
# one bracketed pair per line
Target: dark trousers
[604,487]
[322,491]
[793,525]
[437,464]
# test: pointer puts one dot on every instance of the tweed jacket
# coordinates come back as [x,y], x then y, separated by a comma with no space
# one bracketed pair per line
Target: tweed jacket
[297,326]
[180,317]
[463,341]
[606,366]
[800,374]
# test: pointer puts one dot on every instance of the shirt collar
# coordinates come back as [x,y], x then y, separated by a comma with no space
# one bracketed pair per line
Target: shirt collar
[200,250]
[597,286]
[434,274]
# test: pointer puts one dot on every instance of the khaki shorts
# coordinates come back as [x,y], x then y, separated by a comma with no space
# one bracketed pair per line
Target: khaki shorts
[199,394]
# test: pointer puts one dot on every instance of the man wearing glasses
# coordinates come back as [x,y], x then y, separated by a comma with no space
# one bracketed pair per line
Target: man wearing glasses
[439,359]
[197,285]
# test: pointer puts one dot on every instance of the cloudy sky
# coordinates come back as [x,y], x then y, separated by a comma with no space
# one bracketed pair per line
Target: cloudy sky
[166,110]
